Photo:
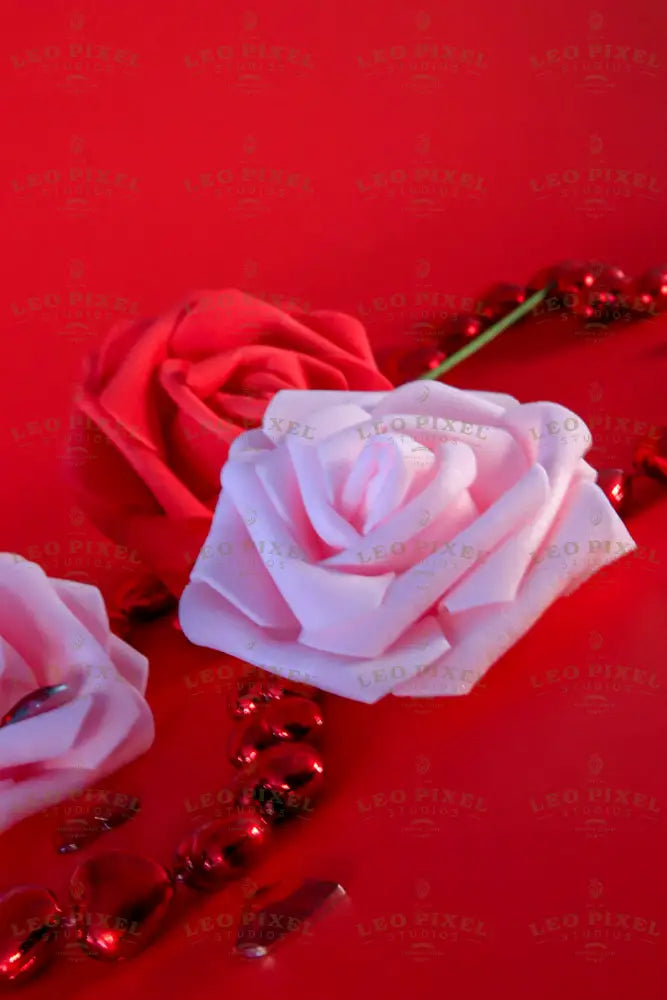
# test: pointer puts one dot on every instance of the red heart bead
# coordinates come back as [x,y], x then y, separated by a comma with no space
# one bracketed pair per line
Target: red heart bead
[119,903]
[29,921]
[282,781]
[219,851]
[287,720]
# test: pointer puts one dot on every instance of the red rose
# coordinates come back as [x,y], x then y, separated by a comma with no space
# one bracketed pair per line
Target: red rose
[167,397]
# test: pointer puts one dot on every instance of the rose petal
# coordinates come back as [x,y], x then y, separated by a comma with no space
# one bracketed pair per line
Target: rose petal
[16,677]
[208,620]
[438,399]
[588,521]
[43,737]
[129,662]
[297,406]
[332,528]
[435,516]
[112,719]
[86,604]
[231,564]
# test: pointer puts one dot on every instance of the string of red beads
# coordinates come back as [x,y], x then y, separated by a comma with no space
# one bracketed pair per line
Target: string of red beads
[592,290]
[119,900]
[595,291]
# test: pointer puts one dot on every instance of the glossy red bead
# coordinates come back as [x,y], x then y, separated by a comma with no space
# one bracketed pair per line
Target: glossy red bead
[499,300]
[282,781]
[29,922]
[289,719]
[573,276]
[616,485]
[219,851]
[457,331]
[608,298]
[252,694]
[119,902]
[650,291]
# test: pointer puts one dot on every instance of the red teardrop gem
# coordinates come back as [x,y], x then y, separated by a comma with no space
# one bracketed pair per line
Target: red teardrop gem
[220,851]
[282,781]
[29,921]
[287,720]
[119,903]
[277,910]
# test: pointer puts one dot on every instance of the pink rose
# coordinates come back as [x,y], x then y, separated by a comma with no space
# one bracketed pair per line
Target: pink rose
[397,541]
[56,633]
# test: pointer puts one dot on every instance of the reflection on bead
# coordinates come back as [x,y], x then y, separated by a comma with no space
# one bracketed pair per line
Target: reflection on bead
[29,921]
[119,901]
[457,331]
[42,700]
[220,851]
[616,485]
[282,781]
[608,298]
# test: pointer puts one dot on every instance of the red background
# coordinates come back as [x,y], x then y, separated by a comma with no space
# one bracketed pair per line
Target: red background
[390,161]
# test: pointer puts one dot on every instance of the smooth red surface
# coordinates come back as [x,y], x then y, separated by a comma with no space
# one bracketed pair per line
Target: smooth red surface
[480,839]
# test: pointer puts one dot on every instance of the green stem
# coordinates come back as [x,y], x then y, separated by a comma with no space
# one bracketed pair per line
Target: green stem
[484,338]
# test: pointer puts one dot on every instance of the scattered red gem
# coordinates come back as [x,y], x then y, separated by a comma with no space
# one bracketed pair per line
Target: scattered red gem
[119,903]
[220,851]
